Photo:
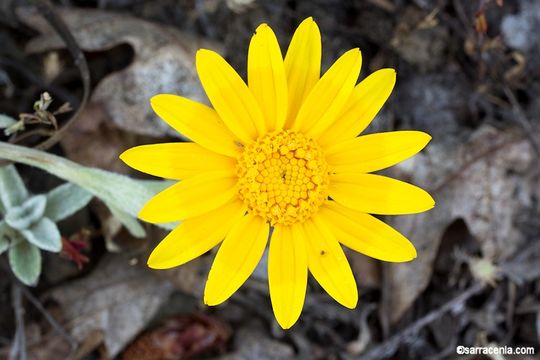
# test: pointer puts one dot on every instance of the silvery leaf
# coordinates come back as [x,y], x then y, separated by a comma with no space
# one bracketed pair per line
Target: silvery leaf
[66,200]
[45,235]
[23,216]
[25,262]
[12,189]
[119,191]
[4,228]
[6,231]
[132,225]
[6,121]
[4,244]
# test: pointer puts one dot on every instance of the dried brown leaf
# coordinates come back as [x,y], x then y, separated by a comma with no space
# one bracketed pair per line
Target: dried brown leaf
[481,180]
[181,338]
[420,39]
[251,342]
[116,299]
[367,270]
[94,141]
[164,62]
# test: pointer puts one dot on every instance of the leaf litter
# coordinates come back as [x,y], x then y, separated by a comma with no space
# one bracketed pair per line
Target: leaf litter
[474,281]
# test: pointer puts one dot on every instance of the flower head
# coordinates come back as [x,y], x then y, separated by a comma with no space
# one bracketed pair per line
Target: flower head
[281,152]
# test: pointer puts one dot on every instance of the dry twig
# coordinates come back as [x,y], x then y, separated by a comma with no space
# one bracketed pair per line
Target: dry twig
[18,347]
[47,10]
[390,346]
[522,120]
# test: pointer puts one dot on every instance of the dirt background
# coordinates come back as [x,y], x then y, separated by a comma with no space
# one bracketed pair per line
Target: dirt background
[468,74]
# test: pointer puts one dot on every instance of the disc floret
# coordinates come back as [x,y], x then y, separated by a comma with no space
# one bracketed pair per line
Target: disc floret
[283,177]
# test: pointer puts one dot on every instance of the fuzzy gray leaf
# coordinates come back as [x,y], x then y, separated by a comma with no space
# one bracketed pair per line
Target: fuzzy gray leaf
[6,232]
[12,189]
[115,190]
[23,216]
[4,244]
[25,262]
[132,225]
[4,228]
[6,121]
[45,235]
[66,200]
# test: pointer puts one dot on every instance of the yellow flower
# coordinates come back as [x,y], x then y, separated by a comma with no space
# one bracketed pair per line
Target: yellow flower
[281,153]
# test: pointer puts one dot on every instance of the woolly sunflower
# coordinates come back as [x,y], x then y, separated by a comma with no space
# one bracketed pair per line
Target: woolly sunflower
[280,158]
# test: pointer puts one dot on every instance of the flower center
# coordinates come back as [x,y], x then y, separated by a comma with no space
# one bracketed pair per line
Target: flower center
[283,177]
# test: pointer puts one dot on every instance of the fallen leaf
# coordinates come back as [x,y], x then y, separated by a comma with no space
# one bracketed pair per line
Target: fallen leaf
[94,141]
[519,28]
[420,39]
[365,269]
[481,180]
[191,277]
[252,343]
[181,338]
[164,62]
[42,346]
[116,299]
[445,93]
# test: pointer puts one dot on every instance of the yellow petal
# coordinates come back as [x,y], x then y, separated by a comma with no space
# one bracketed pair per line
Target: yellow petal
[328,263]
[302,65]
[230,96]
[376,194]
[236,259]
[196,121]
[266,77]
[176,160]
[375,151]
[195,236]
[325,102]
[366,100]
[287,275]
[366,234]
[192,197]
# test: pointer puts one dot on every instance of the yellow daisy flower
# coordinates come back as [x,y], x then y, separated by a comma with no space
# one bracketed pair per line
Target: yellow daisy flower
[280,158]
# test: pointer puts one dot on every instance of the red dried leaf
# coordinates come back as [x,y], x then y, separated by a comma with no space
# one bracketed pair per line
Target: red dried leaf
[72,248]
[181,338]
